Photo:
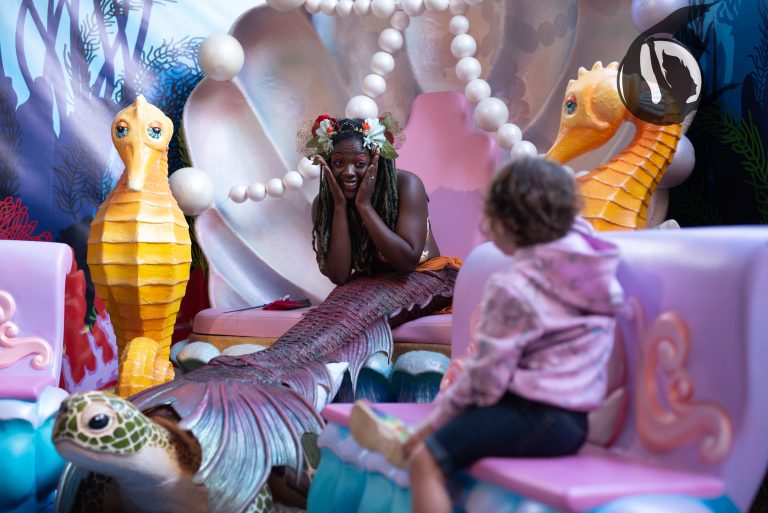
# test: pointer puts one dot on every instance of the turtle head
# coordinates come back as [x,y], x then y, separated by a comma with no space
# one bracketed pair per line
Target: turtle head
[93,428]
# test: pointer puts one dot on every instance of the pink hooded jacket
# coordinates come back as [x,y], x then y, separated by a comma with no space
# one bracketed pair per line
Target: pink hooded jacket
[546,328]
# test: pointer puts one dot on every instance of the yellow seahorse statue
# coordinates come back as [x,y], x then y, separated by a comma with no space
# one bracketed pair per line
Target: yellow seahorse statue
[617,194]
[139,249]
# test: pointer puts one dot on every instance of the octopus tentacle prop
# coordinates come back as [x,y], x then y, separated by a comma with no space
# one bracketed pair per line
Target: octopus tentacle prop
[618,193]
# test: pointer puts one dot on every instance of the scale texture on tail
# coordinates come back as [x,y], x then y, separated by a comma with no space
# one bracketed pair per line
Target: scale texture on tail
[249,412]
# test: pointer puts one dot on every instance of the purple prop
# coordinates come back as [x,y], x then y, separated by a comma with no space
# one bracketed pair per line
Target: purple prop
[33,275]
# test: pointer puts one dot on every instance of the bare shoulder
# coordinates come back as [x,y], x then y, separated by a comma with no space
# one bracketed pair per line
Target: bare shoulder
[410,185]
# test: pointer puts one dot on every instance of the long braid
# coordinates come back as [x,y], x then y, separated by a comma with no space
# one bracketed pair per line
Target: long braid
[384,201]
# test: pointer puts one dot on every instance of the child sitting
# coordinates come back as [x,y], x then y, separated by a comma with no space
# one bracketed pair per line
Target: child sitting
[544,339]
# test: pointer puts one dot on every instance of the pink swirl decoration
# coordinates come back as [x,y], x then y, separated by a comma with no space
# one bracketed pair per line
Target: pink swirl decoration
[668,425]
[13,349]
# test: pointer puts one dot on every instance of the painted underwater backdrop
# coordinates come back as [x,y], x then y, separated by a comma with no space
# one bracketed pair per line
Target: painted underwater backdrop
[729,184]
[67,66]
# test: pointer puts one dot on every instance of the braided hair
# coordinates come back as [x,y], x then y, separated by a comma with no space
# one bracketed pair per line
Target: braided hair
[384,201]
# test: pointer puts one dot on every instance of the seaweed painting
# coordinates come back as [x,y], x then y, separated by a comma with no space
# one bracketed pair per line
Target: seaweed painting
[729,184]
[96,56]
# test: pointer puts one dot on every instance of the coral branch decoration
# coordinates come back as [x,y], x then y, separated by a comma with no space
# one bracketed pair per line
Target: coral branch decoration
[666,417]
[15,223]
[12,349]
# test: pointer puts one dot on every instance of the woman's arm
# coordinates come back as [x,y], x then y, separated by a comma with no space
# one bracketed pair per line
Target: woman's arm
[403,247]
[338,260]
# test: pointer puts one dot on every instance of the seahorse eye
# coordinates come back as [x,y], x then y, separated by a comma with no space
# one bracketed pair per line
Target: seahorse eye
[121,131]
[98,421]
[570,105]
[154,132]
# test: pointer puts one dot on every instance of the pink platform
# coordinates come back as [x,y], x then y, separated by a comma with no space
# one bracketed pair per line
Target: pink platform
[32,275]
[441,158]
[594,477]
[713,282]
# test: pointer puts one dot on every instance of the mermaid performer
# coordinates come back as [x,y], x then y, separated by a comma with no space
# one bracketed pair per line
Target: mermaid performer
[371,236]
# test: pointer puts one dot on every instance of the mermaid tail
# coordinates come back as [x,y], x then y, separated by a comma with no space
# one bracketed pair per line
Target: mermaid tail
[249,412]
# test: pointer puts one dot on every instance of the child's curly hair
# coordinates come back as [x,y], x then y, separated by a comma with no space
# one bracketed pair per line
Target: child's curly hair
[533,199]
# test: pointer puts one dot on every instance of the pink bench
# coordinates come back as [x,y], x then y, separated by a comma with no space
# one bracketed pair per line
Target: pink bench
[32,291]
[694,335]
[441,158]
[32,281]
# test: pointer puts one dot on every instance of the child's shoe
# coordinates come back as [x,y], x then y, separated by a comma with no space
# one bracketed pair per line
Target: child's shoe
[379,431]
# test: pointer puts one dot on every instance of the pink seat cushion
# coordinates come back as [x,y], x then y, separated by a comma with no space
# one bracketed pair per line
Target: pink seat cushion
[577,483]
[247,323]
[433,329]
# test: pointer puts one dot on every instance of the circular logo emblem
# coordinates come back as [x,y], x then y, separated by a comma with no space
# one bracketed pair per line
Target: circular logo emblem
[659,81]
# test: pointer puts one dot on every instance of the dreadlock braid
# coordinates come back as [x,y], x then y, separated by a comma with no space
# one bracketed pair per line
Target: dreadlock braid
[384,201]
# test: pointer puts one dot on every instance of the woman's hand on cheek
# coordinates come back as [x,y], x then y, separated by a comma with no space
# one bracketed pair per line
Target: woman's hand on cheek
[365,192]
[338,195]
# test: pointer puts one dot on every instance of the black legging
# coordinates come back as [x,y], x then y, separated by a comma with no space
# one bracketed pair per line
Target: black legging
[513,427]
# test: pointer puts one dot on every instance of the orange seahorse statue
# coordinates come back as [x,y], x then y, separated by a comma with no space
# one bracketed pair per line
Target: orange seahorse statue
[616,195]
[139,249]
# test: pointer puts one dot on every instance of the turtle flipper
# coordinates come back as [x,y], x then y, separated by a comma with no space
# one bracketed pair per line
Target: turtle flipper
[83,491]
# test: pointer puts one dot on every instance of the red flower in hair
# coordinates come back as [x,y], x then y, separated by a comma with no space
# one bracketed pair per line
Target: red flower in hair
[390,137]
[319,119]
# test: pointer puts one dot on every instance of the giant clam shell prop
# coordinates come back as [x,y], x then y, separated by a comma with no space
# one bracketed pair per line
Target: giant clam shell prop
[298,66]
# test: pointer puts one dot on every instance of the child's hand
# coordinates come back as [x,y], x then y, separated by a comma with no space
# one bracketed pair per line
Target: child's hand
[416,438]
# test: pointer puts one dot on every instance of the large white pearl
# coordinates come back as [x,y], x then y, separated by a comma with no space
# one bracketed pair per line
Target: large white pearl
[468,68]
[193,190]
[383,8]
[312,6]
[344,8]
[458,7]
[382,63]
[413,7]
[328,6]
[459,25]
[463,45]
[436,5]
[362,7]
[490,114]
[390,40]
[309,170]
[523,149]
[257,191]
[374,85]
[508,135]
[477,90]
[400,20]
[238,193]
[221,57]
[284,5]
[680,167]
[275,187]
[361,107]
[647,13]
[293,180]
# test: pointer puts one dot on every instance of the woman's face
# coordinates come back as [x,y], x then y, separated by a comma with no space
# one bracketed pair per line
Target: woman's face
[349,160]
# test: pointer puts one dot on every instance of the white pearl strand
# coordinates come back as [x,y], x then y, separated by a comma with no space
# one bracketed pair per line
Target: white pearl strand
[490,114]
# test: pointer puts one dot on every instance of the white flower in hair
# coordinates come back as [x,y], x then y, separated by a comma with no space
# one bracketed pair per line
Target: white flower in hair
[373,133]
[324,132]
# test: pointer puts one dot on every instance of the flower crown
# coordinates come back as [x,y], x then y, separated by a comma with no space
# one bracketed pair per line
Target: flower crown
[378,133]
